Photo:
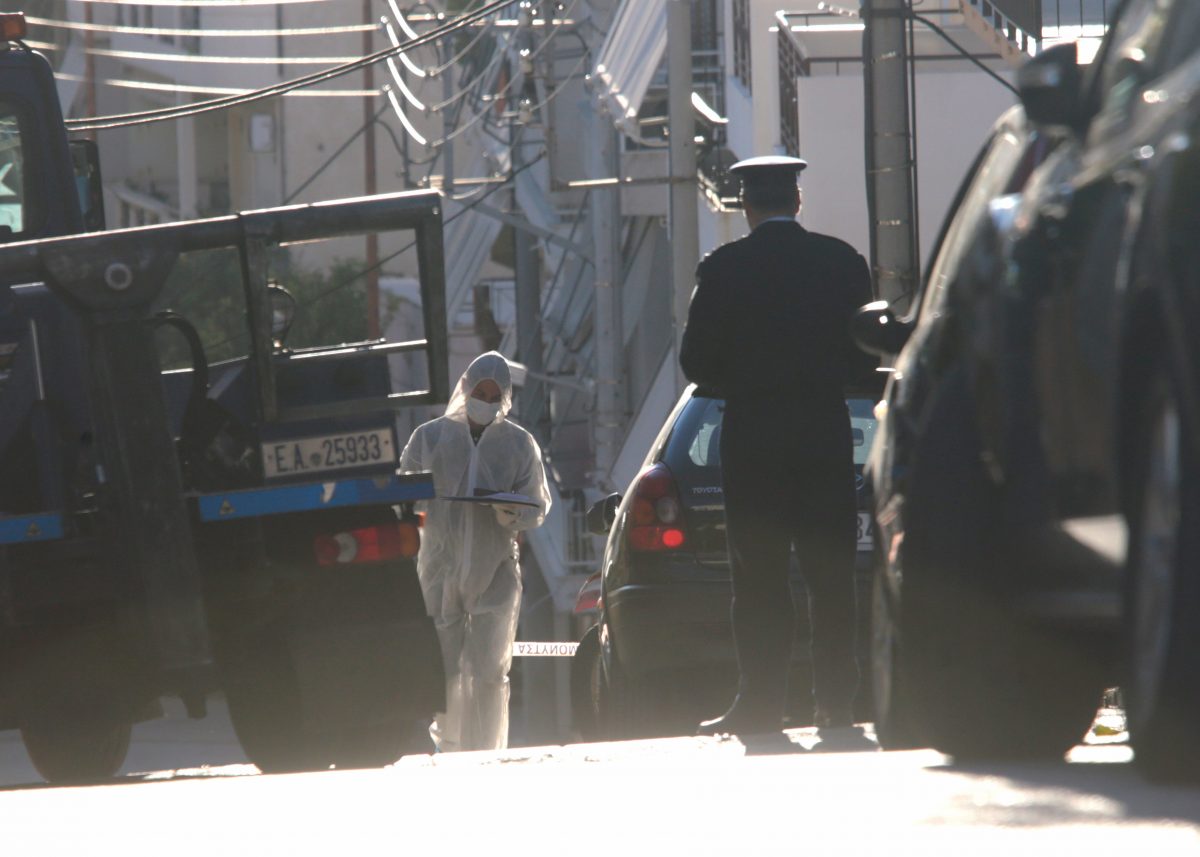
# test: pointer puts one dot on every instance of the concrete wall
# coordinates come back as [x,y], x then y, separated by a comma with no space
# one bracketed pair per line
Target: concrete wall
[954,112]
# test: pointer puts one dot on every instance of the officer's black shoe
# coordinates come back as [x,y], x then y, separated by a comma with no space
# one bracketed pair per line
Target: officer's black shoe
[742,718]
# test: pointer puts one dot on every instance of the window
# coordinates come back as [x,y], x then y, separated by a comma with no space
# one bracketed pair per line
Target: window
[1130,51]
[993,174]
[189,19]
[741,43]
[862,427]
[16,205]
[1183,39]
[791,67]
[704,447]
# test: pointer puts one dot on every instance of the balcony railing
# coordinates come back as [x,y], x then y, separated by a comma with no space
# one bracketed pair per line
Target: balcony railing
[1020,28]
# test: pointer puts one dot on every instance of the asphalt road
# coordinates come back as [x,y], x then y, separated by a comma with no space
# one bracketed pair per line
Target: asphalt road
[665,797]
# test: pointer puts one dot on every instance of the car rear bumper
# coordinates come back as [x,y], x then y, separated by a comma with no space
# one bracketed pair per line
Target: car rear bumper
[686,626]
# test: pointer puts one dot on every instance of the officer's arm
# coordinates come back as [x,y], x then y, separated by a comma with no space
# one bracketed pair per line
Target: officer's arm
[861,365]
[704,354]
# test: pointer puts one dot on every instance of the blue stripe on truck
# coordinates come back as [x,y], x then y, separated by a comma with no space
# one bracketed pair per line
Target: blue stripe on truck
[258,502]
[31,528]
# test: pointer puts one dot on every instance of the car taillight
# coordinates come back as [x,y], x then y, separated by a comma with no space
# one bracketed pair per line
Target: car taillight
[368,544]
[655,514]
[589,597]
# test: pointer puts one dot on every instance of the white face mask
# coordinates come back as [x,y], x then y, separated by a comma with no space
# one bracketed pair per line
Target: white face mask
[480,412]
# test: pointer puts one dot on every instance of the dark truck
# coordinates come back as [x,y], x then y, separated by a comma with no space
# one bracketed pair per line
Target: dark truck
[224,523]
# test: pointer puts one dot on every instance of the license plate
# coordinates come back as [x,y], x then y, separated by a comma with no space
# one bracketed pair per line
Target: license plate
[866,541]
[331,452]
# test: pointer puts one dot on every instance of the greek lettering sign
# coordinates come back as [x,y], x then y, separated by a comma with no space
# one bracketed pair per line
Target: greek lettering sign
[544,650]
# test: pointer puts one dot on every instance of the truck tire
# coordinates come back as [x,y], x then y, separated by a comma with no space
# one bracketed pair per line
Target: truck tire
[76,751]
[272,712]
[1163,596]
[980,682]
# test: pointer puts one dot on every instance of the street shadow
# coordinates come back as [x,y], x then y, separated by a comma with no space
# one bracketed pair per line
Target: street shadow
[1054,792]
[771,744]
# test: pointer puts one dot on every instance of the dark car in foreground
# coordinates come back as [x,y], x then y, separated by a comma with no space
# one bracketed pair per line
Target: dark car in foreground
[1037,469]
[661,657]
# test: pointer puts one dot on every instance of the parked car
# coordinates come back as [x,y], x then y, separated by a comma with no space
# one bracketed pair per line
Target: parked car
[1043,415]
[665,655]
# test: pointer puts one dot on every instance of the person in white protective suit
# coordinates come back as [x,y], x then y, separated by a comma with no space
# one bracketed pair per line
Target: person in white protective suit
[468,560]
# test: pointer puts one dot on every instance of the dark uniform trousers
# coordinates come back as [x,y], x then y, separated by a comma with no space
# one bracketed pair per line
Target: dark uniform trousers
[788,473]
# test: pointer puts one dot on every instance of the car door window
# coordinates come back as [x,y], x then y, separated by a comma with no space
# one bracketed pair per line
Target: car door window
[1127,61]
[15,214]
[1183,37]
[990,180]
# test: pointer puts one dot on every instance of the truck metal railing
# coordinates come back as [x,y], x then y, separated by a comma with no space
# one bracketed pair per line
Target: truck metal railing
[112,279]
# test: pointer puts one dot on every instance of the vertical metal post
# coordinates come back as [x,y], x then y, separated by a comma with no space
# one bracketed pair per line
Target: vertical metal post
[606,239]
[447,151]
[432,269]
[684,217]
[529,328]
[369,180]
[255,271]
[141,482]
[89,67]
[526,262]
[889,150]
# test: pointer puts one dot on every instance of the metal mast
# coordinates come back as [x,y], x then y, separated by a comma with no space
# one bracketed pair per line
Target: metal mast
[889,149]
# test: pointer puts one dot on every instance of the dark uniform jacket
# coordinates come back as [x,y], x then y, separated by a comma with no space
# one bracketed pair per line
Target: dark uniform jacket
[771,316]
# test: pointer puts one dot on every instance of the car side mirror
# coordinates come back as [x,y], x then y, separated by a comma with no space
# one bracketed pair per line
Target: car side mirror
[1051,88]
[876,330]
[602,514]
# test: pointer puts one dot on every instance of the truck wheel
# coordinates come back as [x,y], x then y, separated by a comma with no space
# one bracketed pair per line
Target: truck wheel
[1163,596]
[67,751]
[586,677]
[981,682]
[265,707]
[301,701]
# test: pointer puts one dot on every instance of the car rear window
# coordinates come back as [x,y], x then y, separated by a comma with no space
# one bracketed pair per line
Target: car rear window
[704,433]
[698,430]
[862,427]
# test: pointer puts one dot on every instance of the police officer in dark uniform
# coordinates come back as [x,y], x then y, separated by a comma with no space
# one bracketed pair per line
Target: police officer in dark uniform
[769,331]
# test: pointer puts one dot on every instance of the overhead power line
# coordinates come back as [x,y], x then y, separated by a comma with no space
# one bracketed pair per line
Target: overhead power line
[162,114]
[195,31]
[212,59]
[197,3]
[151,86]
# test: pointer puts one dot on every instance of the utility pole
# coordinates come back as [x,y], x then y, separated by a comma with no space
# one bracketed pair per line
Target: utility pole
[369,179]
[526,262]
[89,67]
[606,239]
[684,217]
[889,150]
[447,149]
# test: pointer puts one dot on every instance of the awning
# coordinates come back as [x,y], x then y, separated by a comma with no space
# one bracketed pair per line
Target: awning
[628,59]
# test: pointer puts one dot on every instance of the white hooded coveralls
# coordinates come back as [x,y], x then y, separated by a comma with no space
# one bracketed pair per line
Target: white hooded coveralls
[468,561]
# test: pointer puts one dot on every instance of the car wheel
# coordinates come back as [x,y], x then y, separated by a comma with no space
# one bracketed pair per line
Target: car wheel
[982,683]
[586,681]
[1163,595]
[76,750]
[893,707]
[635,707]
